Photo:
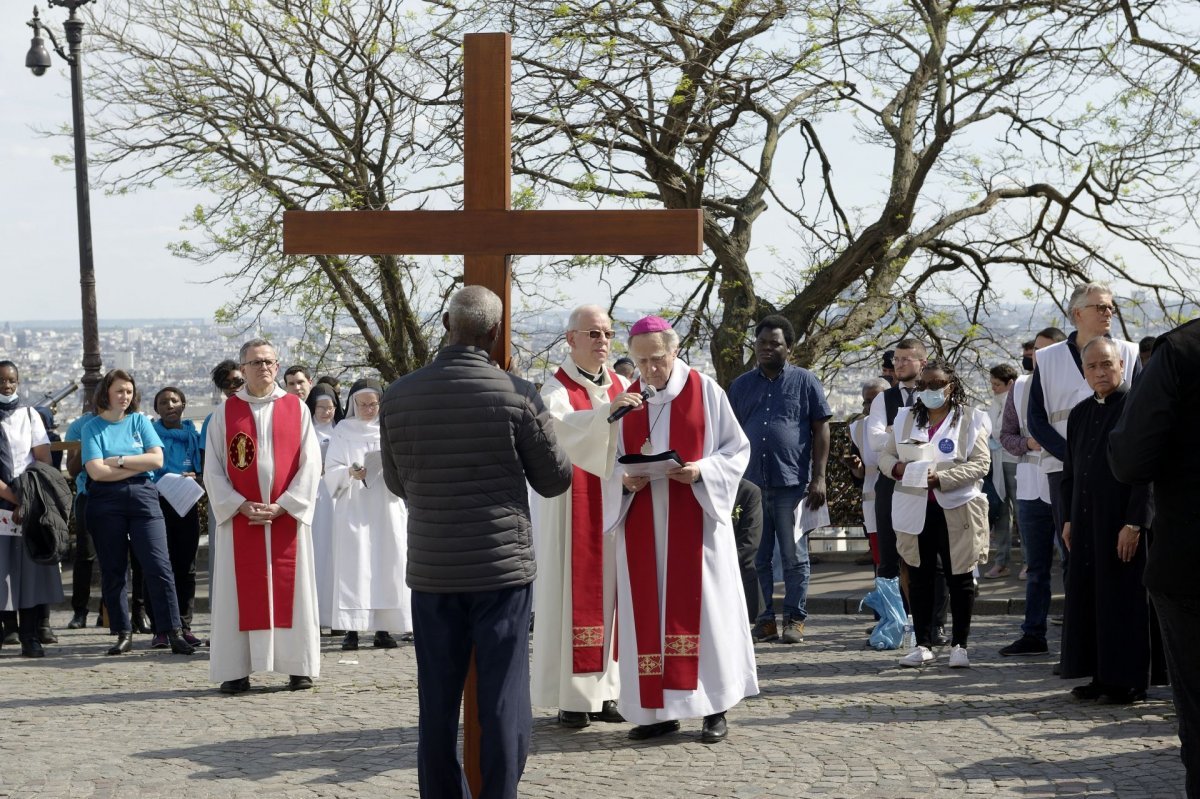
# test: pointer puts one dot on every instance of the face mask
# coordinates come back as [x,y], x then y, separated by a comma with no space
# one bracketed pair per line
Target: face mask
[8,399]
[1027,363]
[932,398]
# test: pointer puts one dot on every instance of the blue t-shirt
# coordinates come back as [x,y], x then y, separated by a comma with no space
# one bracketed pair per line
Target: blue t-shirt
[75,433]
[777,416]
[133,435]
[181,448]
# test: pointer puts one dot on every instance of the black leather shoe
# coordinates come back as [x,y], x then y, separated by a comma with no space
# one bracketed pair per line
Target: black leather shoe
[1112,695]
[350,642]
[715,729]
[573,719]
[645,731]
[32,648]
[939,636]
[78,621]
[298,682]
[1092,690]
[238,686]
[124,644]
[384,640]
[47,636]
[608,712]
[137,621]
[179,645]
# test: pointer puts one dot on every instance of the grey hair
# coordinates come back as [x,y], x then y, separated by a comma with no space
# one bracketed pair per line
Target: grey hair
[669,338]
[251,344]
[1112,345]
[1080,294]
[875,382]
[573,319]
[473,311]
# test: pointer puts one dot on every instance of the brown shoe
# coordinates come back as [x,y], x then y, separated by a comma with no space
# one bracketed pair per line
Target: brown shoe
[765,630]
[793,632]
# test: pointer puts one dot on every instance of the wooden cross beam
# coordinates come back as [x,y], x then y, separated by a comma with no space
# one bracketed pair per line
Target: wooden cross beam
[488,232]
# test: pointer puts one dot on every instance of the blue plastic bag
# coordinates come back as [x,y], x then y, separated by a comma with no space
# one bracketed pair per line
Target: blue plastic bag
[885,600]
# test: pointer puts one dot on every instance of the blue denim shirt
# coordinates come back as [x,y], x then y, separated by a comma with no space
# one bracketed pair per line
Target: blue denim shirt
[777,416]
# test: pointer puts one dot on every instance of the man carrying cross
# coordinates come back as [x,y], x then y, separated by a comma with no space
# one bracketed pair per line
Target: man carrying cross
[685,648]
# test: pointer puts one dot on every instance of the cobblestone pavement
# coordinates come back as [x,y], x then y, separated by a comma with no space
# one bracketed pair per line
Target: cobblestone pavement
[833,720]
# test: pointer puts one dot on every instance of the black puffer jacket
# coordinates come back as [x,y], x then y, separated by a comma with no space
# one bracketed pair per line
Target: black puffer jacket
[45,511]
[460,439]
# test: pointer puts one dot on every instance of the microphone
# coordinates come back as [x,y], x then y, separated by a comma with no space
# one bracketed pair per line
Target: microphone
[647,393]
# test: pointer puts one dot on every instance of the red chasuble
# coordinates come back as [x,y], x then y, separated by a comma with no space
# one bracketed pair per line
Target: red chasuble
[680,668]
[587,548]
[259,590]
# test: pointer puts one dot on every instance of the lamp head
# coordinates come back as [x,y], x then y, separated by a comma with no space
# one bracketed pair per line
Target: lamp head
[38,58]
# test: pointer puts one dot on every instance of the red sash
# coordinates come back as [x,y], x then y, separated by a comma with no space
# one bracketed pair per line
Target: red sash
[587,548]
[249,542]
[685,555]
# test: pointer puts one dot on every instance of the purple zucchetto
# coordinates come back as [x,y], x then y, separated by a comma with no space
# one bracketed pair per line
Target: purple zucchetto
[650,324]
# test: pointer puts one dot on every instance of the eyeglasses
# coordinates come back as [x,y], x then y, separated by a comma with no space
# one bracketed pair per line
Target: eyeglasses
[366,406]
[904,359]
[1102,308]
[262,363]
[595,334]
[233,383]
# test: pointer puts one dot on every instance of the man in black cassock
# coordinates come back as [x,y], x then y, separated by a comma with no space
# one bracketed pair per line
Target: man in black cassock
[1106,629]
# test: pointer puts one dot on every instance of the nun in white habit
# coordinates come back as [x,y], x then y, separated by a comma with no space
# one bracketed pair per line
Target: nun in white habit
[323,404]
[369,527]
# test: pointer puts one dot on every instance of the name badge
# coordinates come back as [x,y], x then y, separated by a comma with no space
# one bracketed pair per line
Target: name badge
[946,445]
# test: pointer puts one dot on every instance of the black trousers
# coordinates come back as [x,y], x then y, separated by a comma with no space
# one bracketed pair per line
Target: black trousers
[934,543]
[889,558]
[446,627]
[85,556]
[1179,618]
[183,542]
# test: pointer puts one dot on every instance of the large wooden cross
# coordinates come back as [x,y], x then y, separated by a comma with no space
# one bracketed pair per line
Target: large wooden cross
[487,231]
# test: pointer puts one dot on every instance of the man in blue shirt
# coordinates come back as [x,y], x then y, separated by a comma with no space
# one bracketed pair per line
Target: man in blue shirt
[782,410]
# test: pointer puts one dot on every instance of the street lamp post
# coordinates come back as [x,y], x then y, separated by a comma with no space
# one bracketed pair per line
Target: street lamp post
[38,60]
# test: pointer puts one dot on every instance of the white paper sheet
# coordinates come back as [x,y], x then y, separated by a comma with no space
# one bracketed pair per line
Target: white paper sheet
[181,493]
[373,463]
[808,520]
[916,475]
[7,525]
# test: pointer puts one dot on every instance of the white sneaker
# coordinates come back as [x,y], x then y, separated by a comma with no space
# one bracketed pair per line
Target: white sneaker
[919,656]
[958,658]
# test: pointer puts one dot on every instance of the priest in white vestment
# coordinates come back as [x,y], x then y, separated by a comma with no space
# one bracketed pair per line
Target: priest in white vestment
[370,524]
[575,591]
[684,646]
[262,467]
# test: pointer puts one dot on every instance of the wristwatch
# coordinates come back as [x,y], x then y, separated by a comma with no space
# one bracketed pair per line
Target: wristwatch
[120,461]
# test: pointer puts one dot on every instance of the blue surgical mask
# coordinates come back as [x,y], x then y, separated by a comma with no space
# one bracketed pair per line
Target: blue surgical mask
[8,399]
[932,398]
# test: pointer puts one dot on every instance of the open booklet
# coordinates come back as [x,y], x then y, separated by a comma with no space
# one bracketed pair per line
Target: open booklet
[653,466]
[181,493]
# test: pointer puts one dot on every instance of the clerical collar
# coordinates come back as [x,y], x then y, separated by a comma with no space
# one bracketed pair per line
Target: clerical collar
[598,379]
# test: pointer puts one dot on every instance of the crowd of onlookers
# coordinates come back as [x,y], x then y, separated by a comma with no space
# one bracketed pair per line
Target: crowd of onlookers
[1062,458]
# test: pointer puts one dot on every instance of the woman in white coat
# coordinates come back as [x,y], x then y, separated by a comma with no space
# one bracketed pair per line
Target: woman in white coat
[944,442]
[369,527]
[323,404]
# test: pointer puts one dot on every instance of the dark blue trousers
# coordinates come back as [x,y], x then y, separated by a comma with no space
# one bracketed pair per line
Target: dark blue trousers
[125,515]
[446,627]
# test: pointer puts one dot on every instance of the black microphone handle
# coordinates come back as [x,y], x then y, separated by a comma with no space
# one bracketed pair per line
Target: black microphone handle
[619,412]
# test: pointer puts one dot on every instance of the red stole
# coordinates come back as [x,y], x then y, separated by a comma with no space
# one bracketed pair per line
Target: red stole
[587,548]
[685,555]
[249,541]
